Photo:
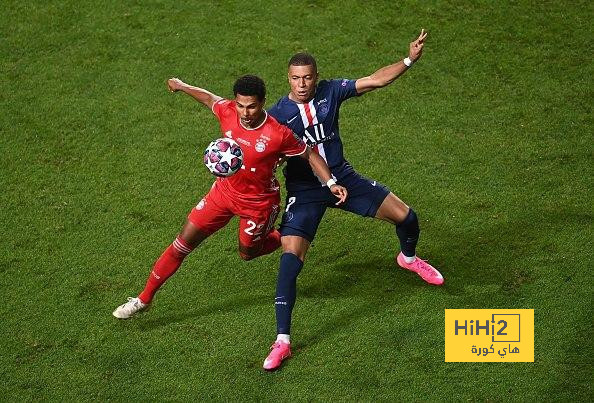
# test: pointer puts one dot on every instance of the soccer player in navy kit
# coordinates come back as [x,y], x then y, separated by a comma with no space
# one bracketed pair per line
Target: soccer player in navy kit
[311,110]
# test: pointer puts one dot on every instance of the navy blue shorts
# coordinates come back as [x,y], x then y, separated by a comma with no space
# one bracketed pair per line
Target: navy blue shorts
[304,209]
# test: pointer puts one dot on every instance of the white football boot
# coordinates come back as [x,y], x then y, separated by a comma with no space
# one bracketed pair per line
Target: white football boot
[130,308]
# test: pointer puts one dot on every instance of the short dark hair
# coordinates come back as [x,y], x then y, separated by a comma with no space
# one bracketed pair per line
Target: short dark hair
[303,59]
[249,85]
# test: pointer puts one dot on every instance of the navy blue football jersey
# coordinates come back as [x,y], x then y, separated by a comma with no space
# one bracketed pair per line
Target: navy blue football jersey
[316,122]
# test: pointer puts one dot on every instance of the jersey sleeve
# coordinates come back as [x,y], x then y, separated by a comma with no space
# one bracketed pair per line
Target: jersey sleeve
[344,88]
[291,144]
[218,107]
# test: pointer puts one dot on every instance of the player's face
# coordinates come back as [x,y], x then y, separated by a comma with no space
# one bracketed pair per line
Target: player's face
[303,81]
[249,109]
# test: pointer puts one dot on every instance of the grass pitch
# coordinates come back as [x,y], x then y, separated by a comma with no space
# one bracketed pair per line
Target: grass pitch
[488,137]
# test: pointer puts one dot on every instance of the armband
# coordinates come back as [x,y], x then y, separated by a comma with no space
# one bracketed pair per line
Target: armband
[407,61]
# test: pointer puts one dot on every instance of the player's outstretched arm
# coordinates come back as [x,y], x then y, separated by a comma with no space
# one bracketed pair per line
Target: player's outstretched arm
[386,75]
[201,95]
[320,168]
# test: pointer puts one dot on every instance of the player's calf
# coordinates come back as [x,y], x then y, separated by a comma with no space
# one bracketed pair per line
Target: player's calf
[165,267]
[408,233]
[249,252]
[268,245]
[246,255]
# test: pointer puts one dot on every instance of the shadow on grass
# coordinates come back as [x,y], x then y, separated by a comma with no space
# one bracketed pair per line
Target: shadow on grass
[230,305]
[575,381]
[377,282]
[505,256]
[369,278]
[342,280]
[483,264]
[487,256]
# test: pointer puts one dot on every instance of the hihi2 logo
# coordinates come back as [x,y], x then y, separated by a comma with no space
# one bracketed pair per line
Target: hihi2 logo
[489,335]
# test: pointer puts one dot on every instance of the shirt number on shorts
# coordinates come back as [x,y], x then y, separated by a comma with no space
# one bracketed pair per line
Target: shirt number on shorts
[250,230]
[252,226]
[290,203]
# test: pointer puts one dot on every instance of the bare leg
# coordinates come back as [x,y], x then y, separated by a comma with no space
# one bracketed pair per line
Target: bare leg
[392,210]
[192,235]
[296,245]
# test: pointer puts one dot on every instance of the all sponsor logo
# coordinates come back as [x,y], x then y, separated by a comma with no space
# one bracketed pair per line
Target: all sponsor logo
[315,134]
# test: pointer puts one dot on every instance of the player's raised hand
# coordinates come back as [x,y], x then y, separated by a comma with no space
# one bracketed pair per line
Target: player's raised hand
[174,84]
[340,192]
[415,49]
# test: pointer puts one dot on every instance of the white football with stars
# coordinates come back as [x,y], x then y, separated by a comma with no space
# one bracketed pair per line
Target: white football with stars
[223,157]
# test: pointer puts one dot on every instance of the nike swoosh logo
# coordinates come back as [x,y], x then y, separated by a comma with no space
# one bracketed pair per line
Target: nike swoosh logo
[292,119]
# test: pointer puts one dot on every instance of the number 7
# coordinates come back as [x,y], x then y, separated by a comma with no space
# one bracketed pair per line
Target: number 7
[290,203]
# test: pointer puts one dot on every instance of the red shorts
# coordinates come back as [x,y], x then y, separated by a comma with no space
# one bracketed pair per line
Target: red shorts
[215,210]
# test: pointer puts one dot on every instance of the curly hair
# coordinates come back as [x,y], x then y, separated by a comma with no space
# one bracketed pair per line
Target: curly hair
[249,85]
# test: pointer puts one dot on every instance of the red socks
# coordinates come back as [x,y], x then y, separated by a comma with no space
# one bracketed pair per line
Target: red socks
[271,243]
[174,255]
[267,245]
[164,268]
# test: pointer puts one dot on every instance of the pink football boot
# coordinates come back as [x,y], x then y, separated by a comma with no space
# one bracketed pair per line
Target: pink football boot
[279,351]
[422,268]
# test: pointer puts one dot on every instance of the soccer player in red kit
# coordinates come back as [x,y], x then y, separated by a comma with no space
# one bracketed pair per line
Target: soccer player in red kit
[252,193]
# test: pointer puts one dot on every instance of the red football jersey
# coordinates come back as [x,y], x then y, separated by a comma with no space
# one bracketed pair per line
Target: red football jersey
[261,146]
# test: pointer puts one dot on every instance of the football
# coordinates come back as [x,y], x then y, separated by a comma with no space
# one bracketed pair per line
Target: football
[223,157]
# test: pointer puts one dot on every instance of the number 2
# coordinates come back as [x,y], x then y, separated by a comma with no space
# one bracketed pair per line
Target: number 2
[503,328]
[250,230]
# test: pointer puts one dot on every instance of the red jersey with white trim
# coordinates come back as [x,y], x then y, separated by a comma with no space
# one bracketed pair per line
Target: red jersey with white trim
[262,147]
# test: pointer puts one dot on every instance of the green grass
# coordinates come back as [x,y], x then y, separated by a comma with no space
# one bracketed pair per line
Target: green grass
[489,138]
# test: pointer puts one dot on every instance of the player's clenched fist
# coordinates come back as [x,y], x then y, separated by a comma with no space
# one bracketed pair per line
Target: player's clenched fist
[416,47]
[174,84]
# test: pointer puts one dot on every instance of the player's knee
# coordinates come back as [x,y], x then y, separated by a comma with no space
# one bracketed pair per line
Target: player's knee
[247,253]
[192,235]
[245,256]
[410,224]
[295,245]
[392,210]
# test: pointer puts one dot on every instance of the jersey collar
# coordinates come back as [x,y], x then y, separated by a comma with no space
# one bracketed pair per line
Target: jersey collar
[257,127]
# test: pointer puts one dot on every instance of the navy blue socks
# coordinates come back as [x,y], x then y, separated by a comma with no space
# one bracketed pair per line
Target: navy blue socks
[286,291]
[408,233]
